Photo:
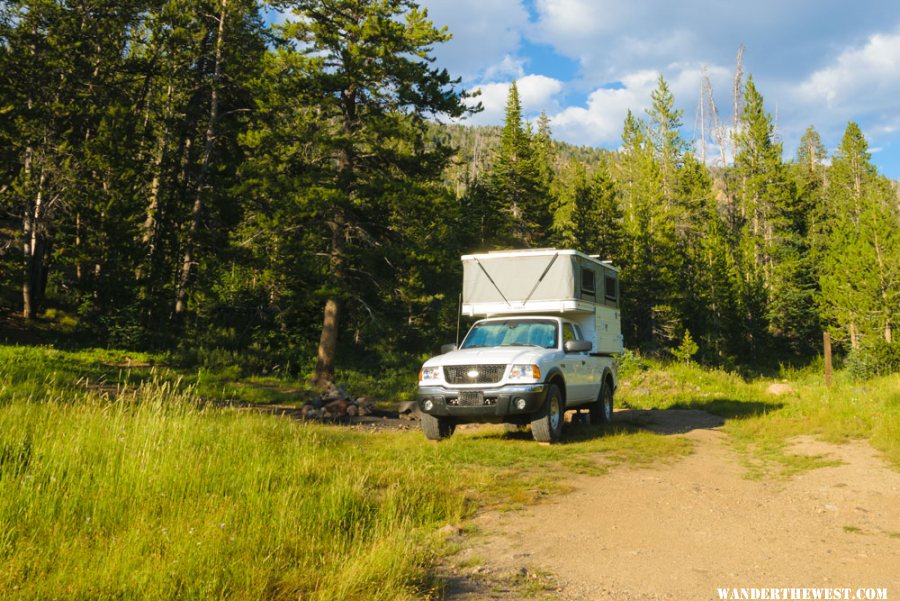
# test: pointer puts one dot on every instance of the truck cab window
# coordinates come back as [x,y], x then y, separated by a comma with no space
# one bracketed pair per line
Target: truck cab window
[514,332]
[569,333]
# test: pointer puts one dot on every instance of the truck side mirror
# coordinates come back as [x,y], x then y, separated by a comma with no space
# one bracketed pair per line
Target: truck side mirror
[448,348]
[578,346]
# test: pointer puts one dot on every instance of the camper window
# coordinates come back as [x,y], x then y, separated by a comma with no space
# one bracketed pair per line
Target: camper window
[611,292]
[588,287]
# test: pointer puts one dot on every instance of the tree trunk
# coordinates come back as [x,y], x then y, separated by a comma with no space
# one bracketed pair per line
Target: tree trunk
[327,344]
[327,351]
[854,337]
[324,372]
[33,248]
[150,229]
[187,261]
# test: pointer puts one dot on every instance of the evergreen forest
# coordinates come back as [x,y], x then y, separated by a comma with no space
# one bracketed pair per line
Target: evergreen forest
[200,177]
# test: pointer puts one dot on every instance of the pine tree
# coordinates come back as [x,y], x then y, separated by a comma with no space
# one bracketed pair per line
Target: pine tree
[643,272]
[519,182]
[366,67]
[860,268]
[775,225]
[664,129]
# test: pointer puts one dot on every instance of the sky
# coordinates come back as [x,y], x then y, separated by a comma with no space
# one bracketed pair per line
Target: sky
[585,63]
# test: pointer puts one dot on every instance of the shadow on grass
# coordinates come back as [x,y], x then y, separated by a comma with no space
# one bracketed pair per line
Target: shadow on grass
[730,408]
[685,417]
[579,431]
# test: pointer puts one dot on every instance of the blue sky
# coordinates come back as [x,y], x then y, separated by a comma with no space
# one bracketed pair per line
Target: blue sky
[586,62]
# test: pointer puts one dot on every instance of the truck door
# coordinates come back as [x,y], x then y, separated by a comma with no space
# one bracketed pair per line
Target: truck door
[578,367]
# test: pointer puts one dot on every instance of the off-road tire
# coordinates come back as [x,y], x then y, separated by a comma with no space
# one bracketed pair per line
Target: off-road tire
[547,425]
[437,428]
[602,409]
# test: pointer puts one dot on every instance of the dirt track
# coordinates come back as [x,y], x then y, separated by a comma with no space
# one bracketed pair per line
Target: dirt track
[680,531]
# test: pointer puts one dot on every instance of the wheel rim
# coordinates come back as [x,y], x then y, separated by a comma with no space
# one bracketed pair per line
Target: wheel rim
[555,412]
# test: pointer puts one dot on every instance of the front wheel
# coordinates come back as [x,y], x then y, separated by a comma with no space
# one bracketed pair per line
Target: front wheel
[437,428]
[547,425]
[602,408]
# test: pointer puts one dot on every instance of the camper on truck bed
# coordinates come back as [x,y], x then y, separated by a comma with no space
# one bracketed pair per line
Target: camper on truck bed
[547,344]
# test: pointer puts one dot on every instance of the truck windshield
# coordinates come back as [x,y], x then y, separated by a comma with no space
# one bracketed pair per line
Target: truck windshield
[513,332]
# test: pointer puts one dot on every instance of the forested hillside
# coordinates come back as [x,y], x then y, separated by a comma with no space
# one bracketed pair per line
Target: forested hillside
[185,175]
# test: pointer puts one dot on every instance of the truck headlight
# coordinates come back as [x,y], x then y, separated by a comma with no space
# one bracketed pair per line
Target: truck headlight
[430,374]
[525,373]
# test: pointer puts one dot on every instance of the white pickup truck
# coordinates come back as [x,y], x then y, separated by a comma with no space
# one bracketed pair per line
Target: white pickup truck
[547,345]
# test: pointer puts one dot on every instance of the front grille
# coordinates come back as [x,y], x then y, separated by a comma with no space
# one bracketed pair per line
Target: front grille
[487,374]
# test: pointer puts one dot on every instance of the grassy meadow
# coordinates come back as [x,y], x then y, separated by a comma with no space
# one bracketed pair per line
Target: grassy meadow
[118,479]
[121,477]
[761,424]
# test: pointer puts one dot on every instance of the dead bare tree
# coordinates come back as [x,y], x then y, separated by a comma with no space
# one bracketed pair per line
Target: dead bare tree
[708,120]
[737,95]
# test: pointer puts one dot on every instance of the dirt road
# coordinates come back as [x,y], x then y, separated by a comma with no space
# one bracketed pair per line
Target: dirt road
[681,531]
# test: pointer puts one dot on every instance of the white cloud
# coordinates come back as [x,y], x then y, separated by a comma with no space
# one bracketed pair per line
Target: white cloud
[574,20]
[887,125]
[537,93]
[485,32]
[510,67]
[600,122]
[867,75]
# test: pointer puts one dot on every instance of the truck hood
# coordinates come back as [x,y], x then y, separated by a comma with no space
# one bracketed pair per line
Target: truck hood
[491,356]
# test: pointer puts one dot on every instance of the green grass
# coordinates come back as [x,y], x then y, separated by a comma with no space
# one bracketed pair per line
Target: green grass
[761,425]
[103,369]
[118,480]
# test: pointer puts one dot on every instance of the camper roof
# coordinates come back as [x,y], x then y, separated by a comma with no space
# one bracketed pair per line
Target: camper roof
[538,252]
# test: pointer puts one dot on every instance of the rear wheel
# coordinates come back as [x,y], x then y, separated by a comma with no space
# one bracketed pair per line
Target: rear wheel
[547,425]
[602,408]
[437,428]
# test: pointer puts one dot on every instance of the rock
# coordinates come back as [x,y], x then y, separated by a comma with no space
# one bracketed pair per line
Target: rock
[336,408]
[366,405]
[408,410]
[352,410]
[780,389]
[309,412]
[450,530]
[335,393]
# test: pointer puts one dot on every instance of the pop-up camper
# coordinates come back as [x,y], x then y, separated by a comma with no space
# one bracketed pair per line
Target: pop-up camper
[547,281]
[551,327]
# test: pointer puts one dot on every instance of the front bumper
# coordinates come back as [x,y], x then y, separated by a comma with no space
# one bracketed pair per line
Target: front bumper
[497,405]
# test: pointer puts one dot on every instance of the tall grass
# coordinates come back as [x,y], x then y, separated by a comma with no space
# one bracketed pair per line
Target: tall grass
[139,489]
[155,497]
